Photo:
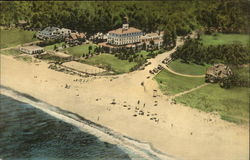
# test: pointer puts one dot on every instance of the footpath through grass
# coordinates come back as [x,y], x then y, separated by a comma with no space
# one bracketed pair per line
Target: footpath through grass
[78,51]
[220,38]
[232,104]
[110,62]
[191,68]
[171,84]
[14,37]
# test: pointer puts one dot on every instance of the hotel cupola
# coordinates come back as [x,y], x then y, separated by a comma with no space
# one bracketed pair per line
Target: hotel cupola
[125,25]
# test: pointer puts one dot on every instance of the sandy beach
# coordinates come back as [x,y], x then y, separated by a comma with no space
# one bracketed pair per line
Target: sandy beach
[113,101]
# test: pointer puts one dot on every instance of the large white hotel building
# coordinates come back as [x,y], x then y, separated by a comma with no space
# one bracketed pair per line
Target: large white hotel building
[125,35]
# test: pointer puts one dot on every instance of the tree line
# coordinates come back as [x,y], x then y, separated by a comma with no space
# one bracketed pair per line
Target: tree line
[234,55]
[194,51]
[175,17]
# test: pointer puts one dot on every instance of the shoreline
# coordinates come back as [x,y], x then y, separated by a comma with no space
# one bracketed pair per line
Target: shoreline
[103,133]
[92,100]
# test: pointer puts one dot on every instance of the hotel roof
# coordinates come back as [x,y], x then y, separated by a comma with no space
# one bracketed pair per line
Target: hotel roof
[32,47]
[125,31]
[152,34]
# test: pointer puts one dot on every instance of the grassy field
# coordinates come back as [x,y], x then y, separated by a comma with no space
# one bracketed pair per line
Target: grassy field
[10,38]
[171,84]
[17,55]
[50,58]
[184,68]
[146,54]
[51,47]
[25,58]
[232,104]
[143,53]
[111,62]
[13,52]
[224,39]
[78,51]
[242,72]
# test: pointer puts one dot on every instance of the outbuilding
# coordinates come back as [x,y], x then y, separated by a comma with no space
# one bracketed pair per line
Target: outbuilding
[32,49]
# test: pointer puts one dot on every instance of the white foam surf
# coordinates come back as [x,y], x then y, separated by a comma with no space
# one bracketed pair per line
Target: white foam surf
[144,150]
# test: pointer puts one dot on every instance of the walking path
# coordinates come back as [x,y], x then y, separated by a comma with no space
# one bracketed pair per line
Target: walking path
[185,75]
[188,91]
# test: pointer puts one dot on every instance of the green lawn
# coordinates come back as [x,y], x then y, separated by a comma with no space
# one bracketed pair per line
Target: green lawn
[143,53]
[224,39]
[232,104]
[14,37]
[172,84]
[146,54]
[110,61]
[17,55]
[13,52]
[242,72]
[51,47]
[78,51]
[25,58]
[191,68]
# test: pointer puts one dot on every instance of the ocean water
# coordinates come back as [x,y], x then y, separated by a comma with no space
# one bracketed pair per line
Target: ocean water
[35,130]
[29,133]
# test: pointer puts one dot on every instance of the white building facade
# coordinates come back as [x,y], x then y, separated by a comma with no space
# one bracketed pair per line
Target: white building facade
[53,33]
[65,32]
[156,38]
[32,49]
[125,35]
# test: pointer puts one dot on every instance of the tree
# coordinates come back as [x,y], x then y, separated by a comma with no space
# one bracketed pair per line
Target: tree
[90,48]
[152,43]
[55,47]
[108,67]
[34,35]
[224,16]
[63,45]
[225,83]
[169,38]
[144,46]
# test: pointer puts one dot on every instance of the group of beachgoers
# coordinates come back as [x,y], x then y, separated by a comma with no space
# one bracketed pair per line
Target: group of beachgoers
[139,109]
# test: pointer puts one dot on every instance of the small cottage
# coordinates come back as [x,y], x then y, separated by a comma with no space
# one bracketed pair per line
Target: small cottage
[22,23]
[75,38]
[218,72]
